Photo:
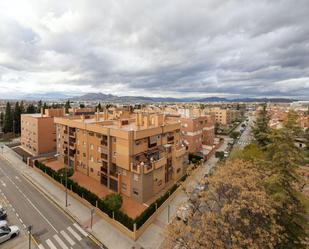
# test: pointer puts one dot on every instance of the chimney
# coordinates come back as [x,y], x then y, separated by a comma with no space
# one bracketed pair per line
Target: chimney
[137,120]
[146,121]
[42,111]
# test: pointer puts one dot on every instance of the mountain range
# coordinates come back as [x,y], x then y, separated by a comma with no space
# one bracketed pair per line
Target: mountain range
[54,96]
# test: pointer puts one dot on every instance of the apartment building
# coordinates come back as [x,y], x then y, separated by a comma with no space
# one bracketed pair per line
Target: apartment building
[136,155]
[38,133]
[225,116]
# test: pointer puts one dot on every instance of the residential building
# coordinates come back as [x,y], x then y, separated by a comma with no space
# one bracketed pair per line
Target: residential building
[136,155]
[225,116]
[38,133]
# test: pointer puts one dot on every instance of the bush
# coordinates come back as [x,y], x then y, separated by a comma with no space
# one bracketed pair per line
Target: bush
[219,154]
[113,201]
[70,171]
[194,158]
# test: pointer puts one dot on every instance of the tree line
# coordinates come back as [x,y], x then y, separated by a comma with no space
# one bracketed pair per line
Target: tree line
[254,199]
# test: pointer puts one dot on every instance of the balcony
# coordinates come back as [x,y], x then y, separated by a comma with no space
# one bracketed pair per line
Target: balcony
[72,134]
[159,163]
[72,145]
[135,168]
[170,138]
[148,168]
[104,156]
[180,152]
[104,142]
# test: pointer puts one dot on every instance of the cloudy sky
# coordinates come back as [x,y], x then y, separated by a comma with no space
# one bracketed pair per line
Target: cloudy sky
[155,48]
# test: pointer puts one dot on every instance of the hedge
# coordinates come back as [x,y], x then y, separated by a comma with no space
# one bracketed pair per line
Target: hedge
[92,198]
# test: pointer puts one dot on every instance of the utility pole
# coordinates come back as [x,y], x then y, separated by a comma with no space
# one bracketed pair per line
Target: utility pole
[14,127]
[66,171]
[91,220]
[29,228]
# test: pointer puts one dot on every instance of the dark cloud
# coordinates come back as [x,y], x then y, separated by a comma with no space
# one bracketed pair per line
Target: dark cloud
[179,47]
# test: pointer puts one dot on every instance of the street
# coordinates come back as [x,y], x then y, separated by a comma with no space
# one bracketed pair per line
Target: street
[51,228]
[246,136]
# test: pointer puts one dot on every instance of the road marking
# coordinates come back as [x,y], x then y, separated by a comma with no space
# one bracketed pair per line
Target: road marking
[41,246]
[74,234]
[66,236]
[30,201]
[60,242]
[17,178]
[82,231]
[21,221]
[50,244]
[3,183]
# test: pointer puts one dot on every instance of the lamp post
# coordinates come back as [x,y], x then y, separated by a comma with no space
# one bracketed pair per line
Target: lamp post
[91,219]
[29,228]
[66,172]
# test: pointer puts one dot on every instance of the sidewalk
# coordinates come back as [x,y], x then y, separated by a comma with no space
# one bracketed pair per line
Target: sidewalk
[101,230]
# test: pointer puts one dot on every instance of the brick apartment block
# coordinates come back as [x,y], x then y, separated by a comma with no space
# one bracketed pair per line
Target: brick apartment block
[136,155]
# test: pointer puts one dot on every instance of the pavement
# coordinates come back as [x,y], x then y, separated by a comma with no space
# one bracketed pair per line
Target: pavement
[41,192]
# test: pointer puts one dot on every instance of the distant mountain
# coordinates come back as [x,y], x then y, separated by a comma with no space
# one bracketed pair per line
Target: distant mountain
[45,96]
[212,99]
[261,100]
[122,99]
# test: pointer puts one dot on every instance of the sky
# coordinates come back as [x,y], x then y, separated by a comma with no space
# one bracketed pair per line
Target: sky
[175,48]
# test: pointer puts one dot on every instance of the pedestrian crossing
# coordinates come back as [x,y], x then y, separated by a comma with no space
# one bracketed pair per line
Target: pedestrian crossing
[65,239]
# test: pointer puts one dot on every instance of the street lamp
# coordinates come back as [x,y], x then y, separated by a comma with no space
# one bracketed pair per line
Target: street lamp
[29,228]
[91,220]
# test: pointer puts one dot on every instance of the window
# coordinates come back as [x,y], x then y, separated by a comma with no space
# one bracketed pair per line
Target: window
[91,146]
[91,158]
[114,153]
[135,191]
[124,186]
[91,170]
[135,177]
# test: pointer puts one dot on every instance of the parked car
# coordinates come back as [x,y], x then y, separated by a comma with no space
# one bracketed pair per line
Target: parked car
[3,214]
[183,212]
[8,232]
[3,223]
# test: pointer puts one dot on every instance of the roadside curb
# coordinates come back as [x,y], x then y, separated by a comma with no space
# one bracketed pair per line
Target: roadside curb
[39,188]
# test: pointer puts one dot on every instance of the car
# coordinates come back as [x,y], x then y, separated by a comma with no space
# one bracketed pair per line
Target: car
[3,214]
[183,212]
[3,223]
[9,232]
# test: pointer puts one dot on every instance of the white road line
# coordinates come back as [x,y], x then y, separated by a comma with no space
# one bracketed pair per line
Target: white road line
[60,242]
[17,178]
[21,221]
[74,234]
[3,183]
[66,236]
[41,246]
[30,202]
[50,244]
[82,231]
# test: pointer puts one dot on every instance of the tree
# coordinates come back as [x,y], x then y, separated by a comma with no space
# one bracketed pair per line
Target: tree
[81,105]
[261,129]
[16,116]
[113,201]
[8,119]
[31,109]
[234,212]
[217,128]
[99,107]
[39,106]
[44,107]
[1,119]
[284,159]
[219,154]
[235,134]
[67,106]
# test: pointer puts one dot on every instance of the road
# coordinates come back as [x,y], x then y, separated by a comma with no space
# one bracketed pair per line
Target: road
[52,229]
[246,136]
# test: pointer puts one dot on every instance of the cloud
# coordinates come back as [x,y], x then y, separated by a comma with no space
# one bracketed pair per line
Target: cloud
[168,48]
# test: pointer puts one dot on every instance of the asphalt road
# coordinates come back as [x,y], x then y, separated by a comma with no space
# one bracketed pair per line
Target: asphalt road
[246,136]
[52,229]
